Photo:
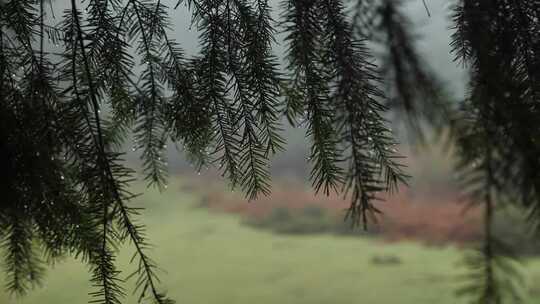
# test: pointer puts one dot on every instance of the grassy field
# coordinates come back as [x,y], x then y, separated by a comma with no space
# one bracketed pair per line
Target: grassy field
[211,258]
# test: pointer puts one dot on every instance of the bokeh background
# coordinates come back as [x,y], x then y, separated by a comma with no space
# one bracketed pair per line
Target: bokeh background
[215,247]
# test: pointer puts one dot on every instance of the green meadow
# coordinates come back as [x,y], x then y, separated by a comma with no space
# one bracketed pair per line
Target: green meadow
[212,258]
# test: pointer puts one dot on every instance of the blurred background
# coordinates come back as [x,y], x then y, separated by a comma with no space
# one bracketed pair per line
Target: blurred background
[215,247]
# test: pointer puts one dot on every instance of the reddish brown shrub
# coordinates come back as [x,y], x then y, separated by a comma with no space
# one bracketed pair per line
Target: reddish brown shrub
[433,220]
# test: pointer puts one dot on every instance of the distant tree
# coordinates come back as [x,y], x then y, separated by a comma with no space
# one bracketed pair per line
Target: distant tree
[65,189]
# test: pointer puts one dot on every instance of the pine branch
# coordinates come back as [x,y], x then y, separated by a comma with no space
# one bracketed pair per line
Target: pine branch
[490,143]
[22,265]
[362,128]
[150,131]
[212,86]
[415,93]
[493,277]
[105,274]
[109,178]
[311,82]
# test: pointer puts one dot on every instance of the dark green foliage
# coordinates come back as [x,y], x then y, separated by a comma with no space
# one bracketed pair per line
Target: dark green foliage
[414,92]
[65,115]
[339,97]
[309,220]
[493,277]
[239,86]
[498,135]
[517,234]
[283,220]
